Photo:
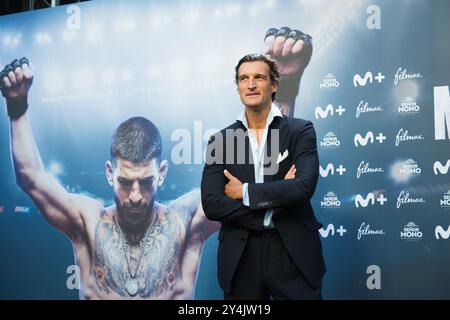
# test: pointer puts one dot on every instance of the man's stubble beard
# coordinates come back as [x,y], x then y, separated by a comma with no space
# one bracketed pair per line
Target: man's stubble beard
[134,222]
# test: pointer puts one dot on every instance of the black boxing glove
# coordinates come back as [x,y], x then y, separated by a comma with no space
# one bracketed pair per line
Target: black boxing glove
[17,106]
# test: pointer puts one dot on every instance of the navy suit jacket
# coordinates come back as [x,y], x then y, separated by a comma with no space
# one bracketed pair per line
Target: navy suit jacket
[290,199]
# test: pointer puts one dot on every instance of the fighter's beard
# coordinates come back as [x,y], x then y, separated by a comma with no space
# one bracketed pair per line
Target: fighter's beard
[134,229]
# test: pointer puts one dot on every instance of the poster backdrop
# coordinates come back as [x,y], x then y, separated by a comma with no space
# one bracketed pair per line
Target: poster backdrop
[376,89]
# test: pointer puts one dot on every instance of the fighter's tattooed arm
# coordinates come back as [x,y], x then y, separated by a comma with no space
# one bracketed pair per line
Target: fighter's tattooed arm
[199,226]
[186,205]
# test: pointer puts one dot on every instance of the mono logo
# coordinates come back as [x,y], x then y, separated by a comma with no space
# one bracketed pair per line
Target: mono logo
[368,77]
[408,106]
[409,167]
[445,201]
[374,19]
[411,231]
[73,281]
[324,233]
[369,137]
[329,169]
[330,201]
[439,168]
[330,141]
[374,280]
[440,233]
[360,201]
[329,110]
[329,82]
[441,112]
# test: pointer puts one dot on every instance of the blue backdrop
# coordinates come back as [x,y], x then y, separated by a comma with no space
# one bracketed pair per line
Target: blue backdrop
[376,89]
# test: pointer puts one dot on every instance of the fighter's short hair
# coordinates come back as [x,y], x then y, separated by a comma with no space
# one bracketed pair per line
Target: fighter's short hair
[137,140]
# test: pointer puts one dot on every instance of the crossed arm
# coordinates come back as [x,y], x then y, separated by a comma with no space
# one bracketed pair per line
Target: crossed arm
[297,187]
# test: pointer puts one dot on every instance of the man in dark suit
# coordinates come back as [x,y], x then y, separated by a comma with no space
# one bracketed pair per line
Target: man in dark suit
[259,177]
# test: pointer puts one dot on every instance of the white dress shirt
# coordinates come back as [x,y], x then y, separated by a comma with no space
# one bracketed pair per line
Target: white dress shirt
[258,157]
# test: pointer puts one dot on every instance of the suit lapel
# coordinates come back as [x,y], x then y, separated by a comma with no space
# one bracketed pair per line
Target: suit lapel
[247,170]
[271,156]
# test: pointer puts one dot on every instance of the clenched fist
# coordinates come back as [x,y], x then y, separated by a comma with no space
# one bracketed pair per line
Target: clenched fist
[15,82]
[292,49]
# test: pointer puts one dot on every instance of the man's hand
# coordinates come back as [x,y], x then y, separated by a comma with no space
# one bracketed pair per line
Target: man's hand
[291,173]
[292,49]
[16,79]
[233,189]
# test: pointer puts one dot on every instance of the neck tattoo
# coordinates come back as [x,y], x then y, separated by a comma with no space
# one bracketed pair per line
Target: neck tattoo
[148,241]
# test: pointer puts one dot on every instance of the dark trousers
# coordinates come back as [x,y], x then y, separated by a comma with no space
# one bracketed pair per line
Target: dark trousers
[267,271]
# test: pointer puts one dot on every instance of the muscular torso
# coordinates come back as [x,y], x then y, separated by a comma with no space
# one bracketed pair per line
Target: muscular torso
[163,264]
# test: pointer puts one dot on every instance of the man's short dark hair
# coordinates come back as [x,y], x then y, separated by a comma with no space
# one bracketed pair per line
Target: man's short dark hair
[273,68]
[136,140]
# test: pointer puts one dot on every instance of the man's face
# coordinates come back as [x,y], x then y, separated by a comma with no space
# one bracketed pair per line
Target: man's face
[254,85]
[135,186]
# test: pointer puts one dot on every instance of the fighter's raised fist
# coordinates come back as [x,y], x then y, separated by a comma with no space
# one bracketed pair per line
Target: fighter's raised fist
[16,79]
[291,48]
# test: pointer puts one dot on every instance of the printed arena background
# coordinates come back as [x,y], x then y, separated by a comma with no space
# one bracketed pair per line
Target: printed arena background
[376,89]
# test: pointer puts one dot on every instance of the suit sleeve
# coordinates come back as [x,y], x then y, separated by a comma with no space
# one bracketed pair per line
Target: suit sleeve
[217,206]
[297,191]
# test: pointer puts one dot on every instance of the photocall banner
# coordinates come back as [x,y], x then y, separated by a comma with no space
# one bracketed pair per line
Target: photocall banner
[376,90]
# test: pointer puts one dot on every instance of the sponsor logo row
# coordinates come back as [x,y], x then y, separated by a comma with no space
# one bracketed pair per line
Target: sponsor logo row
[331,200]
[331,82]
[410,231]
[408,168]
[408,106]
[331,141]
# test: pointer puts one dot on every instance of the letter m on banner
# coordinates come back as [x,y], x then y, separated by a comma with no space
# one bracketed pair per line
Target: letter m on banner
[444,234]
[441,112]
